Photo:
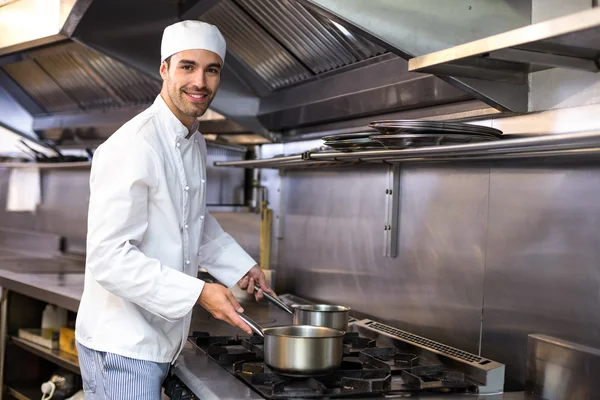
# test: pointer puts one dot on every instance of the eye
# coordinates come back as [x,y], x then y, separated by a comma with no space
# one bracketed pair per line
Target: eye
[213,71]
[187,67]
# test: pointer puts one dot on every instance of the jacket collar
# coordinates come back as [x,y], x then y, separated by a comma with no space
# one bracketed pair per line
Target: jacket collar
[171,123]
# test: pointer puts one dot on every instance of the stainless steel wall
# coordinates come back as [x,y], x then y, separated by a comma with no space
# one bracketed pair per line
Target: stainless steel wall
[332,247]
[65,197]
[225,186]
[542,269]
[487,253]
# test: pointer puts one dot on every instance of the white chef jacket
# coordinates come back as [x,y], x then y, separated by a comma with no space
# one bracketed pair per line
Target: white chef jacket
[148,231]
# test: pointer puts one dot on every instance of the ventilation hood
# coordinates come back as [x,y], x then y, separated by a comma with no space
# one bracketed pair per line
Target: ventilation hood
[294,68]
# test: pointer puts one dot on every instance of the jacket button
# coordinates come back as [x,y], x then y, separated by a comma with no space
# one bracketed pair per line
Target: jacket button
[177,144]
[185,226]
[203,181]
[188,262]
[202,217]
[186,188]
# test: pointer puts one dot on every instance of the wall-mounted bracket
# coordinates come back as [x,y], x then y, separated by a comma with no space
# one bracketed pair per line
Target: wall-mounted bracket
[392,204]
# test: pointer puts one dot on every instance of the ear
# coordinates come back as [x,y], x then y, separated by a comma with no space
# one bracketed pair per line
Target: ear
[163,70]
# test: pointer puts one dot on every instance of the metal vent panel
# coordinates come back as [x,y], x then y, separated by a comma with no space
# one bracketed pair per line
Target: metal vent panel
[75,82]
[131,86]
[75,78]
[283,43]
[317,42]
[420,341]
[255,47]
[40,86]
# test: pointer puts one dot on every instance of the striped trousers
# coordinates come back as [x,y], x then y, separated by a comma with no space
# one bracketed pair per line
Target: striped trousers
[108,376]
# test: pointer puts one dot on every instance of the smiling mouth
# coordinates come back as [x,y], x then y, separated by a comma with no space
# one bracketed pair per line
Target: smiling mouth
[196,97]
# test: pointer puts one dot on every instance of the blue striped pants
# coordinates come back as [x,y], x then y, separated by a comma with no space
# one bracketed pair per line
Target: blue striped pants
[108,376]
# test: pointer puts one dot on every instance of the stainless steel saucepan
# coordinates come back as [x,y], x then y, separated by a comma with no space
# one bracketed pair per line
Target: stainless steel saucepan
[326,315]
[300,350]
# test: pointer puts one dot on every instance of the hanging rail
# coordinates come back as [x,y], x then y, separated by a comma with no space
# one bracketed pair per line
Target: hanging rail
[560,145]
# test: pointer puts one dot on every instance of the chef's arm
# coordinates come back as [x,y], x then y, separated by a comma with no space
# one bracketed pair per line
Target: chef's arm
[221,255]
[122,176]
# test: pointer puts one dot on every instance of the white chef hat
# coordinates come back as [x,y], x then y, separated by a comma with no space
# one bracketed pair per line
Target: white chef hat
[191,35]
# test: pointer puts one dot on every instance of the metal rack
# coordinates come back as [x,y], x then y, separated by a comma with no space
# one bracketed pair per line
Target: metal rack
[570,42]
[566,145]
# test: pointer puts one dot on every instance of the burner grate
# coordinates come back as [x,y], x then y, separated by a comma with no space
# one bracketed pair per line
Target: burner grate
[434,377]
[388,359]
[357,342]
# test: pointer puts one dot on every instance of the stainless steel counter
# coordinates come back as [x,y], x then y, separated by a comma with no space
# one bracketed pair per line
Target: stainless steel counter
[61,289]
[202,375]
[210,382]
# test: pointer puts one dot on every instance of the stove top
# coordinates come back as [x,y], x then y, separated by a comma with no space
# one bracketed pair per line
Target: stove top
[366,370]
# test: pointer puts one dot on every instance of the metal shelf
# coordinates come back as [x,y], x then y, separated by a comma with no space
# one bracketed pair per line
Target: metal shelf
[567,145]
[20,392]
[82,164]
[572,41]
[65,360]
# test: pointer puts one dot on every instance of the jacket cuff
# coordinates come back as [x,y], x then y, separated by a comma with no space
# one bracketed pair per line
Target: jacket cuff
[226,260]
[176,295]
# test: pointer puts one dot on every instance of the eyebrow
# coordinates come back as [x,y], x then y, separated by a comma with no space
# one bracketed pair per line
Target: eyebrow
[194,63]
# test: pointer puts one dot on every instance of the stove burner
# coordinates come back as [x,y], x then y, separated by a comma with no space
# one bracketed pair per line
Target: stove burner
[388,359]
[406,360]
[369,381]
[366,370]
[356,342]
[249,367]
[276,384]
[434,377]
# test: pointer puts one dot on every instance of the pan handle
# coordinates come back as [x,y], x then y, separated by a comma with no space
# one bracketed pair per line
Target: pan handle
[275,301]
[253,325]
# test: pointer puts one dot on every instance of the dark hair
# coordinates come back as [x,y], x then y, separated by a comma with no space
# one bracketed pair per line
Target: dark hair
[168,61]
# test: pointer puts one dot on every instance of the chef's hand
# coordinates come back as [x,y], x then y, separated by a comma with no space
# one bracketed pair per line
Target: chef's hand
[219,301]
[255,275]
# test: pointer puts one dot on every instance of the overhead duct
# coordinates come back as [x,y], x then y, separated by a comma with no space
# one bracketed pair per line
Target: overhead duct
[27,24]
[292,67]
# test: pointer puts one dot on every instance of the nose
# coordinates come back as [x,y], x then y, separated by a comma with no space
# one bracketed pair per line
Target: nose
[199,79]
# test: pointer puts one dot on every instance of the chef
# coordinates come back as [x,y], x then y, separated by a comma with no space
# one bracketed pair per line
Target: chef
[149,230]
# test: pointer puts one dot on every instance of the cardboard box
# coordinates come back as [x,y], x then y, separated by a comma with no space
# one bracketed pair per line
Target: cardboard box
[67,341]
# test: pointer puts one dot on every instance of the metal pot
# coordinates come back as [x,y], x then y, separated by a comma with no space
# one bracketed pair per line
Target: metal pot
[322,315]
[330,316]
[300,350]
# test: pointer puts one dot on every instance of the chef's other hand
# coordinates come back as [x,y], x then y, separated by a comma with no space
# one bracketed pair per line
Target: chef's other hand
[219,301]
[255,275]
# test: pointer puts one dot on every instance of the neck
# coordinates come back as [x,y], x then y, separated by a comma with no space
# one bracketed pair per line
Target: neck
[184,119]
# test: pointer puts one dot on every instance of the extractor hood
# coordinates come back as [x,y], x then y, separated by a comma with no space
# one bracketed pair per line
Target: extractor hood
[293,67]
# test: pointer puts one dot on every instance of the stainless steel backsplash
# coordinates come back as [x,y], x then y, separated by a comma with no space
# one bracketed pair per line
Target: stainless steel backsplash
[487,253]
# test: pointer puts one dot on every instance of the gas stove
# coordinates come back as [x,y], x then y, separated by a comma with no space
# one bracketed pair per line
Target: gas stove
[379,361]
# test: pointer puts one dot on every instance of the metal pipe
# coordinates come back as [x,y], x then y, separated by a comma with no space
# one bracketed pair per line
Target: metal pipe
[253,162]
[274,162]
[505,146]
[559,145]
[593,152]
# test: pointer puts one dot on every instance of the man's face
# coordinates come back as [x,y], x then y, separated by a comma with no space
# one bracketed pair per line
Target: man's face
[191,80]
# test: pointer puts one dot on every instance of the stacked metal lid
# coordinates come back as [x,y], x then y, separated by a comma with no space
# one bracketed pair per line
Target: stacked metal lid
[401,134]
